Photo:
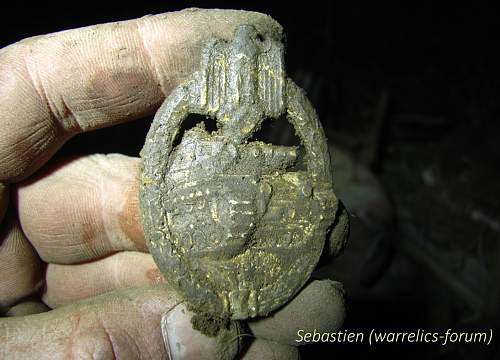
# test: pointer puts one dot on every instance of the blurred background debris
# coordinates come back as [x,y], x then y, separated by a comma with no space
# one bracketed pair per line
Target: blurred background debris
[409,97]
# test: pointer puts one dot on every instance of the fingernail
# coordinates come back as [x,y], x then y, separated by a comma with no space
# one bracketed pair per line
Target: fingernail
[181,340]
[169,331]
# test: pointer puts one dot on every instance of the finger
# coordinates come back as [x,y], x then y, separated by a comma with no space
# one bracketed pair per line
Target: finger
[264,349]
[83,209]
[54,86]
[20,266]
[70,283]
[320,306]
[122,324]
[184,343]
[28,307]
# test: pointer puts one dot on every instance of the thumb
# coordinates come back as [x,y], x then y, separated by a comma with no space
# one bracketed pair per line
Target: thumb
[131,323]
[183,342]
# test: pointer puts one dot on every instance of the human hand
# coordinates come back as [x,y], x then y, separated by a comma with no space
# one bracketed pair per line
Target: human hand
[72,231]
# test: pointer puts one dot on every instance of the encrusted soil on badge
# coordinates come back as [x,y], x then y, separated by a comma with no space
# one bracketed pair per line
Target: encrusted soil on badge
[209,325]
[225,331]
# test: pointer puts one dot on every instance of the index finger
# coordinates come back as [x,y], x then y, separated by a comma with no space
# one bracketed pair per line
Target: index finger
[58,85]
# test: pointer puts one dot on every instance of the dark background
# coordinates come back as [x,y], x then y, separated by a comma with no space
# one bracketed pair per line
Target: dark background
[437,149]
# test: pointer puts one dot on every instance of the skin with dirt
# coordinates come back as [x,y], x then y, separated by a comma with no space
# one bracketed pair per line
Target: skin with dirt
[234,224]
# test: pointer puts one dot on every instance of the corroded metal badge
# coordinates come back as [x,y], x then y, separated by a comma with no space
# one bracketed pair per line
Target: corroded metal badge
[228,221]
